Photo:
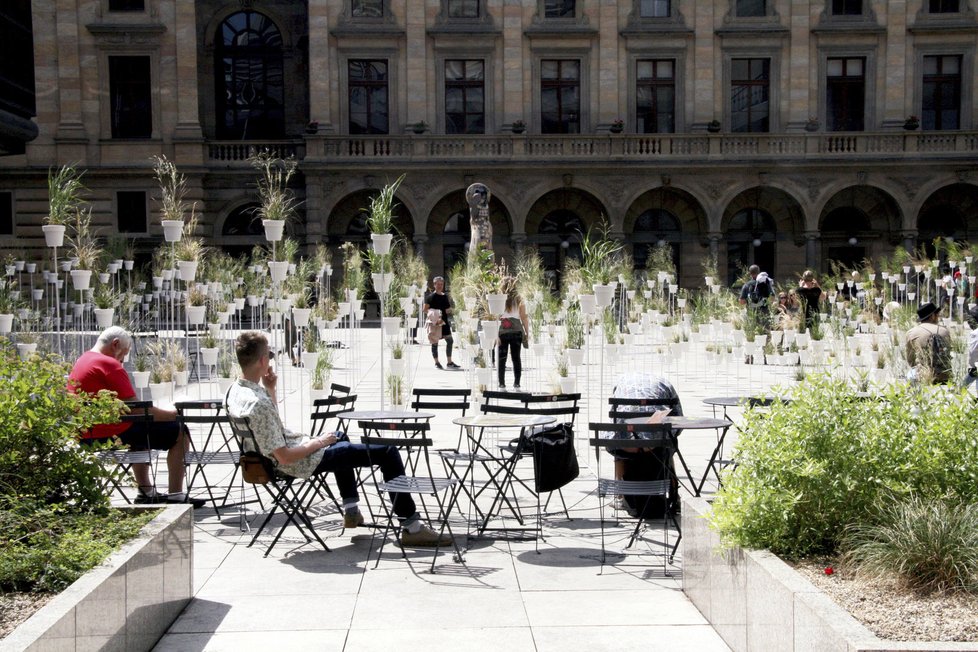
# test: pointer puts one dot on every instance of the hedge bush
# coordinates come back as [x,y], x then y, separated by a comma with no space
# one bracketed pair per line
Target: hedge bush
[810,468]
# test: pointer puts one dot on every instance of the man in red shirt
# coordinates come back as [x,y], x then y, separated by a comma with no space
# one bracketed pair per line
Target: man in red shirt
[101,368]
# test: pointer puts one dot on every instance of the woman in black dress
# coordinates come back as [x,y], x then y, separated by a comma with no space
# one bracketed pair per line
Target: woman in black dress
[439,301]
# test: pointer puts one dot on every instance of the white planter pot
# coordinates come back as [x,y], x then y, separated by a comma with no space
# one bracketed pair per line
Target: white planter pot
[588,303]
[215,329]
[208,356]
[54,234]
[483,376]
[568,385]
[188,270]
[391,326]
[301,316]
[81,279]
[274,317]
[172,230]
[356,305]
[575,356]
[104,316]
[224,384]
[278,269]
[343,308]
[6,322]
[195,314]
[315,394]
[181,377]
[158,391]
[407,305]
[103,277]
[252,301]
[309,360]
[37,294]
[26,349]
[538,348]
[360,314]
[604,295]
[274,229]
[381,243]
[382,282]
[497,303]
[128,265]
[398,366]
[239,303]
[491,330]
[140,379]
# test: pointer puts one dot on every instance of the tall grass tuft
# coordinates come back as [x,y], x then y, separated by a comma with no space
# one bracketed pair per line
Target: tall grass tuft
[928,545]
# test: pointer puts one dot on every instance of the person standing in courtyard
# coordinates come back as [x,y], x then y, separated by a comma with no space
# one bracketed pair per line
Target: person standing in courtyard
[756,295]
[513,334]
[929,348]
[811,293]
[439,300]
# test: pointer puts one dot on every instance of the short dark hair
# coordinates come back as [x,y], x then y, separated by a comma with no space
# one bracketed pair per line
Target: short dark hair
[250,346]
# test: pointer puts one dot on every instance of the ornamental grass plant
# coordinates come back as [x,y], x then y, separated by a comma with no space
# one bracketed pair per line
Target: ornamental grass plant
[811,468]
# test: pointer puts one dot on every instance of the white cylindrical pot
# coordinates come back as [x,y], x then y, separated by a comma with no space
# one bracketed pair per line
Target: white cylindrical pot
[279,270]
[407,305]
[6,322]
[382,282]
[343,308]
[103,277]
[224,384]
[188,270]
[158,391]
[172,230]
[575,356]
[310,360]
[391,326]
[381,243]
[208,355]
[181,377]
[239,303]
[54,234]
[356,304]
[483,376]
[195,314]
[568,385]
[604,295]
[128,265]
[398,366]
[214,329]
[360,313]
[274,229]
[81,279]
[301,316]
[103,317]
[491,329]
[274,317]
[37,294]
[26,349]
[158,282]
[497,303]
[588,303]
[252,300]
[140,379]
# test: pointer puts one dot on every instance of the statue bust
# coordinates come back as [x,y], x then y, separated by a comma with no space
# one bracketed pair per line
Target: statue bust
[477,196]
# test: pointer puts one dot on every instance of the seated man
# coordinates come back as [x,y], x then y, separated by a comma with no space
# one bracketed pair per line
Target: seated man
[253,396]
[101,368]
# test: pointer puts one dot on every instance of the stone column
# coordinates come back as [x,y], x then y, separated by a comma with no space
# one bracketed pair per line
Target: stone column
[803,70]
[517,242]
[188,118]
[714,238]
[420,240]
[514,65]
[609,64]
[319,107]
[706,61]
[416,81]
[909,239]
[67,22]
[812,239]
[315,222]
[896,66]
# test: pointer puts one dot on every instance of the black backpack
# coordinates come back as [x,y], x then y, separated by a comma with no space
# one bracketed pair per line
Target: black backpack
[759,293]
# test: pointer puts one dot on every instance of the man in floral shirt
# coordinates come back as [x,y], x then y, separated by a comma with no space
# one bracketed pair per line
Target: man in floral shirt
[253,397]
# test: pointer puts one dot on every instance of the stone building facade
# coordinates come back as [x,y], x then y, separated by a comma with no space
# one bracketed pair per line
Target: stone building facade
[775,132]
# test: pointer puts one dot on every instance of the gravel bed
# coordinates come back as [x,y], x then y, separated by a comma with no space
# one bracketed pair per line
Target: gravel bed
[15,608]
[893,613]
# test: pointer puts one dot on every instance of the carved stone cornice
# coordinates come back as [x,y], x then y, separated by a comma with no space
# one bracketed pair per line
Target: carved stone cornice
[123,35]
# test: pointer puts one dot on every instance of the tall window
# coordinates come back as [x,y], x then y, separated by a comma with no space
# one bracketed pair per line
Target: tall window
[127,5]
[250,86]
[559,8]
[655,8]
[847,7]
[560,96]
[845,98]
[463,8]
[751,236]
[941,106]
[944,6]
[655,96]
[746,8]
[131,211]
[367,8]
[6,213]
[130,97]
[465,102]
[369,106]
[750,95]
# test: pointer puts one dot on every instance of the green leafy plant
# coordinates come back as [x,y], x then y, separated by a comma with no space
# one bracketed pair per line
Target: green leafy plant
[173,189]
[395,389]
[324,366]
[105,296]
[64,195]
[599,254]
[276,200]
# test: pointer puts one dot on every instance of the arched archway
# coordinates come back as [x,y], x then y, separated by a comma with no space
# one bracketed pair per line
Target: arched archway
[760,224]
[950,212]
[555,222]
[668,215]
[241,230]
[856,223]
[449,230]
[844,233]
[348,219]
[249,78]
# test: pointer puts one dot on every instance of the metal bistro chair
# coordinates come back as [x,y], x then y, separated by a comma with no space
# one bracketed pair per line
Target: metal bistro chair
[414,440]
[289,494]
[656,437]
[121,460]
[442,400]
[332,406]
[632,408]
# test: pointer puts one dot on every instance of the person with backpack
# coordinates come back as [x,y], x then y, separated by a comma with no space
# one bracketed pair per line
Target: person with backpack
[929,348]
[756,295]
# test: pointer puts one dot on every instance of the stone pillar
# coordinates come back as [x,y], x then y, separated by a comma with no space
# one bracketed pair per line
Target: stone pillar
[416,81]
[188,120]
[517,242]
[896,67]
[319,106]
[315,220]
[67,22]
[714,238]
[802,75]
[420,240]
[909,239]
[812,239]
[514,64]
[610,65]
[706,61]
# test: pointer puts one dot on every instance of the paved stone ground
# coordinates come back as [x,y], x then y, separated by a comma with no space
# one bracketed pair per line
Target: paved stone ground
[507,595]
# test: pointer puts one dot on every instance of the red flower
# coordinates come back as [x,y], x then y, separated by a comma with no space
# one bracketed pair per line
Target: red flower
[829,570]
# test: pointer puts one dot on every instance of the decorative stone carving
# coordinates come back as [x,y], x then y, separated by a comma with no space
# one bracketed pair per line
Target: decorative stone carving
[477,196]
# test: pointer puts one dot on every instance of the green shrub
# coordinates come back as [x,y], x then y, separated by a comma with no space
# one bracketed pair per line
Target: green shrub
[40,459]
[812,467]
[929,545]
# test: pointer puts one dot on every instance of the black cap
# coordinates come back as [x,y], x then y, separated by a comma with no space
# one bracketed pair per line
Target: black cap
[925,311]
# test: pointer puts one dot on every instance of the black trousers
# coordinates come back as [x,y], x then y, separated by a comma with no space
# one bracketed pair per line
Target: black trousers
[510,345]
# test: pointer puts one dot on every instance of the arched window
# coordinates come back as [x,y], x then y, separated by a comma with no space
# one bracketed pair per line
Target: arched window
[249,78]
[455,241]
[561,231]
[243,222]
[751,235]
[653,227]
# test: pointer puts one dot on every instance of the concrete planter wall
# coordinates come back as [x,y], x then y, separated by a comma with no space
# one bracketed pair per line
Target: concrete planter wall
[757,602]
[128,602]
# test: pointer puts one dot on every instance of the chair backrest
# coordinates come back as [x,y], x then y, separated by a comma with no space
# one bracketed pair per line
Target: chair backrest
[440,399]
[494,395]
[241,427]
[412,436]
[329,407]
[138,411]
[556,405]
[335,389]
[627,408]
[209,416]
[245,436]
[632,435]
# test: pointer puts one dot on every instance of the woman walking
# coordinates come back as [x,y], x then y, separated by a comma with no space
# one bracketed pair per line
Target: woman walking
[513,334]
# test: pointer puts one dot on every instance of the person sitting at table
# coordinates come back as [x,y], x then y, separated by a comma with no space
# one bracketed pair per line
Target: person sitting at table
[253,396]
[929,348]
[101,368]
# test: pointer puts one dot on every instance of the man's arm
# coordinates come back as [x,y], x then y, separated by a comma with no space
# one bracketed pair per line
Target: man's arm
[286,455]
[269,431]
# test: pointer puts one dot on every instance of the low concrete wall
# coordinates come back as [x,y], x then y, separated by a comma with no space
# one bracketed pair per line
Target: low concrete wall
[757,602]
[128,602]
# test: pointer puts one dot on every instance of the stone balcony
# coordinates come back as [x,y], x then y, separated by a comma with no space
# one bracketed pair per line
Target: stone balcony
[595,149]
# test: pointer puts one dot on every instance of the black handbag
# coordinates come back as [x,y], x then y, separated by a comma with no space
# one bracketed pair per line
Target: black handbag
[554,457]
